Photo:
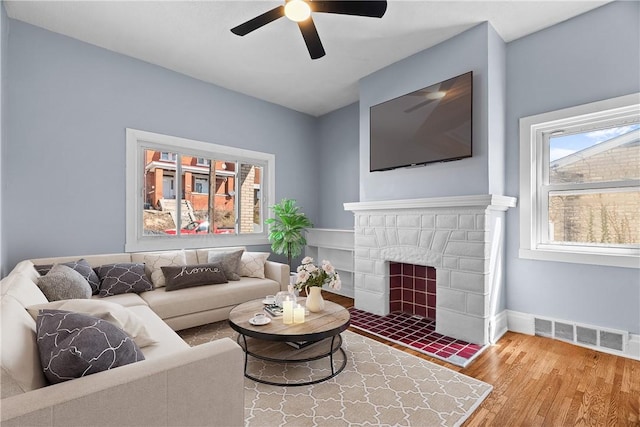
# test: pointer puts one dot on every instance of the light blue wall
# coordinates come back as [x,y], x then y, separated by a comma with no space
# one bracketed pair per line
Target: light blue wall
[496,105]
[469,51]
[591,57]
[338,160]
[70,103]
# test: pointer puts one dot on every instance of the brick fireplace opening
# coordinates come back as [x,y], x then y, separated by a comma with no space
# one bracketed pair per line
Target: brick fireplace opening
[462,237]
[412,289]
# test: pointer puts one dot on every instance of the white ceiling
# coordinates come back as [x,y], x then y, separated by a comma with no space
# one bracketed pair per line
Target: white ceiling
[272,63]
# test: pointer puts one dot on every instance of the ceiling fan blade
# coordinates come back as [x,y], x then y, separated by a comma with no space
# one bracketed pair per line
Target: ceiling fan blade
[420,105]
[373,8]
[311,38]
[258,21]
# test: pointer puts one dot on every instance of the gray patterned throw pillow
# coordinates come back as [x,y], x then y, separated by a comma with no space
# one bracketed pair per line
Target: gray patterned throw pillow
[229,261]
[73,345]
[122,278]
[62,282]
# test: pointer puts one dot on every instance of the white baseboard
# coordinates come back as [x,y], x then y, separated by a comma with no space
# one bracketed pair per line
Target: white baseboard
[498,327]
[524,323]
[520,322]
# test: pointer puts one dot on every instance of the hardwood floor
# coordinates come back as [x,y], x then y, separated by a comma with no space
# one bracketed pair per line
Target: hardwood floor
[544,382]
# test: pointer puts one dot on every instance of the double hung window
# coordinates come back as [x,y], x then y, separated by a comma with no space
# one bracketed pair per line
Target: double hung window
[580,184]
[189,193]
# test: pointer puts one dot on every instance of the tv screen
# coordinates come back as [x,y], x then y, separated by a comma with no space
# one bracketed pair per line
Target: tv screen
[426,126]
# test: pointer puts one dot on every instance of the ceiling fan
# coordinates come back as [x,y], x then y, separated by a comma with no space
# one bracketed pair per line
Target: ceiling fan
[300,11]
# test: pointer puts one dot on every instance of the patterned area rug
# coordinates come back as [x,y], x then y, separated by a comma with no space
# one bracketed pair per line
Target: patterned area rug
[380,386]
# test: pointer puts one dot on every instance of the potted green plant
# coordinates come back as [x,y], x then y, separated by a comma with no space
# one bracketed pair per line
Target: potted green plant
[286,229]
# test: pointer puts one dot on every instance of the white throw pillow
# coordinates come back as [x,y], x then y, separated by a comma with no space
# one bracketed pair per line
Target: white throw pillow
[111,312]
[153,262]
[252,264]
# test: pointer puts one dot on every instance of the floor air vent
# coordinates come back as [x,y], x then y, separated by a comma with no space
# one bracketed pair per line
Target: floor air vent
[588,336]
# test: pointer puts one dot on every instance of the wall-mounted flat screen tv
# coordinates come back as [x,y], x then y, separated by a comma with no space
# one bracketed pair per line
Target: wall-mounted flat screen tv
[426,126]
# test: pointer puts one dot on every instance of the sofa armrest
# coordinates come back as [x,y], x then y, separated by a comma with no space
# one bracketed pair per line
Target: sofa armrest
[203,385]
[278,272]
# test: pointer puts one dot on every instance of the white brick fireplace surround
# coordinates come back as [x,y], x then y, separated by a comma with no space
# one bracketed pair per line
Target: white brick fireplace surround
[461,236]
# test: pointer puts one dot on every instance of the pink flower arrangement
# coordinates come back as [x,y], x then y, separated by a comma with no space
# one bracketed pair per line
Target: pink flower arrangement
[310,275]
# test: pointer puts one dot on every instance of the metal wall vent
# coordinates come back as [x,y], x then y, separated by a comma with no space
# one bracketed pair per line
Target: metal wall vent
[588,336]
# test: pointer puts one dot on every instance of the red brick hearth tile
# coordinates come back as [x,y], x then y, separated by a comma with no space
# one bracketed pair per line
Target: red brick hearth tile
[395,295]
[395,282]
[431,286]
[431,300]
[414,332]
[407,295]
[407,269]
[395,305]
[420,284]
[420,310]
[421,298]
[407,282]
[395,268]
[431,273]
[420,271]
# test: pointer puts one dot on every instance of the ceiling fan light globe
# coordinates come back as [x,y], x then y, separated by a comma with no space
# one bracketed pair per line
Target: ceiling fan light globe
[436,95]
[297,10]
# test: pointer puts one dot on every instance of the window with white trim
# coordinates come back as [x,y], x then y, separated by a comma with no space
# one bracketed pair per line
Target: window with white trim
[580,184]
[185,193]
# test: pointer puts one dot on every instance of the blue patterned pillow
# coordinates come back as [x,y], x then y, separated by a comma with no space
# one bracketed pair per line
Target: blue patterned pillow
[122,278]
[73,345]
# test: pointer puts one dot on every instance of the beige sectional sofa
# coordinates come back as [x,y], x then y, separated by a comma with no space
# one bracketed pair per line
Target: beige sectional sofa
[175,384]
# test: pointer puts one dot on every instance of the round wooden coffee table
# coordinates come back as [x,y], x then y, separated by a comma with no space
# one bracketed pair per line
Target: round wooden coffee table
[317,338]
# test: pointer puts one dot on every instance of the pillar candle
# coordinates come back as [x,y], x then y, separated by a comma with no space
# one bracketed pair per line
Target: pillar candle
[287,311]
[298,314]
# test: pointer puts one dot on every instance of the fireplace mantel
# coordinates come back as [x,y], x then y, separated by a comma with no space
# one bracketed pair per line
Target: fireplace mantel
[462,237]
[484,201]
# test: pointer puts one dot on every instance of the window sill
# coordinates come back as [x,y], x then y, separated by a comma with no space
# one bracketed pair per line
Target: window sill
[155,243]
[591,258]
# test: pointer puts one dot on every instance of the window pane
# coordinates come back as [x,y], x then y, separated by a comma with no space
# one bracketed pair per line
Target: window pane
[611,154]
[195,201]
[250,206]
[595,218]
[159,194]
[223,206]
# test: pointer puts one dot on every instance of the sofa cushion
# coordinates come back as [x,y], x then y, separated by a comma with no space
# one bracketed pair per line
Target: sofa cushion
[125,300]
[19,352]
[73,345]
[204,298]
[252,264]
[81,266]
[122,278]
[154,261]
[168,342]
[187,276]
[229,261]
[26,267]
[22,288]
[62,282]
[113,313]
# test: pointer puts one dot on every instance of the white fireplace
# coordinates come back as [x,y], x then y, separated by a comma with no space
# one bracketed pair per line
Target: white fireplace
[462,237]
